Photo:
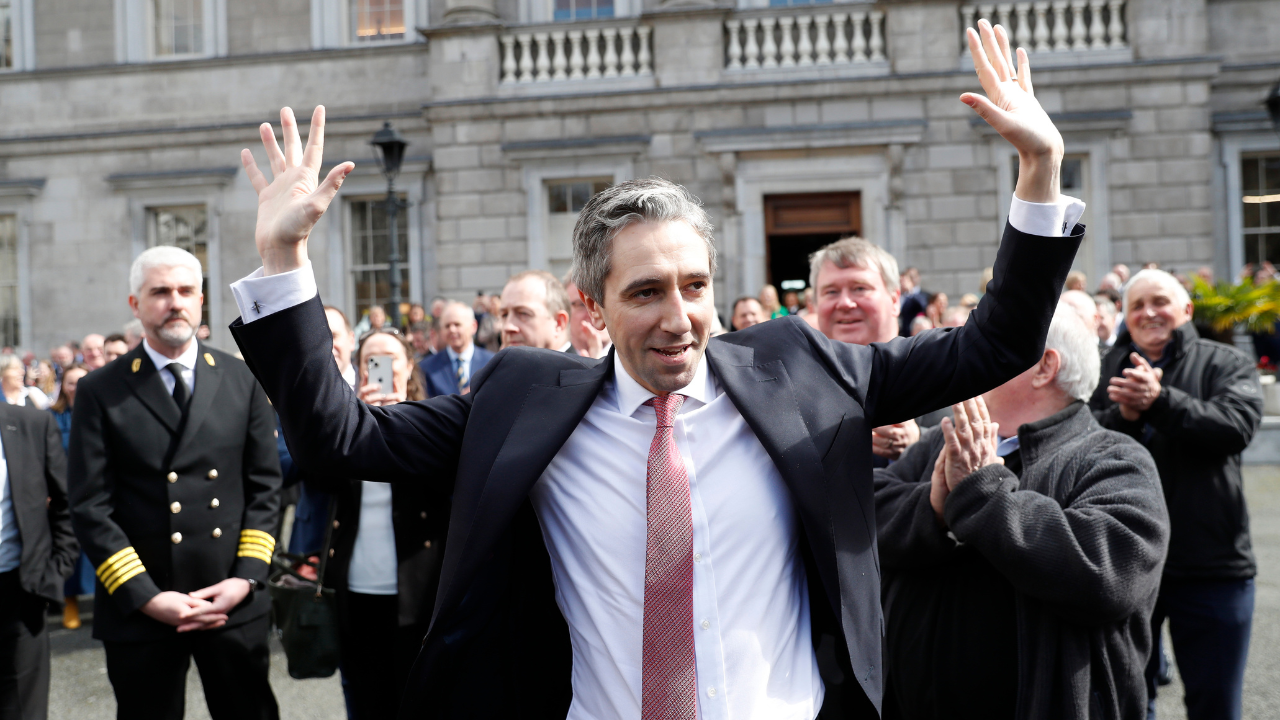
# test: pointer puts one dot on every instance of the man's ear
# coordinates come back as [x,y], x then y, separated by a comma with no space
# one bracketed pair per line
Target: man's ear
[595,309]
[1047,369]
[133,304]
[562,321]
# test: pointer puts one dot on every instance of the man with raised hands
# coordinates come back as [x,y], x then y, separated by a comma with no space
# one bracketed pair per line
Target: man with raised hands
[663,532]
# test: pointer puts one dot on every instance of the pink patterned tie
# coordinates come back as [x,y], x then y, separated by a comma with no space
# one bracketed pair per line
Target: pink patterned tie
[670,688]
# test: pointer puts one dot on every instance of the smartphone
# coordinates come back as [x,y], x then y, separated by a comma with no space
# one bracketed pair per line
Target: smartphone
[379,367]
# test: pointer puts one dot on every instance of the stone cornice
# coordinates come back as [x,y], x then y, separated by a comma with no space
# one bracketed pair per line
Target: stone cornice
[22,187]
[854,134]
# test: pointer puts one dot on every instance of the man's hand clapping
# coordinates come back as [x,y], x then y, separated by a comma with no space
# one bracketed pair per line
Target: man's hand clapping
[970,445]
[891,441]
[293,201]
[1136,389]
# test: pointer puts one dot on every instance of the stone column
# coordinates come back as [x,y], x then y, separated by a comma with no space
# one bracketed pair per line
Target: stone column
[461,12]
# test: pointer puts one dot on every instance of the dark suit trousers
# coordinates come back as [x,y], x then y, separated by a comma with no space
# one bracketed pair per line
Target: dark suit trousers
[24,655]
[1210,623]
[150,678]
[377,654]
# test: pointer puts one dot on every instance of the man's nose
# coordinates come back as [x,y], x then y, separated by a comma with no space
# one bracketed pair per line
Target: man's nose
[675,315]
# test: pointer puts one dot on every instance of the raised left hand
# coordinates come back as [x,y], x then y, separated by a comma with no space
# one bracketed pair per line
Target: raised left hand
[971,441]
[1011,108]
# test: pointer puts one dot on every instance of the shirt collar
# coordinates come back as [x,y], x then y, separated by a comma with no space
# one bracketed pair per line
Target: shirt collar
[631,394]
[464,356]
[186,359]
[566,347]
[1008,445]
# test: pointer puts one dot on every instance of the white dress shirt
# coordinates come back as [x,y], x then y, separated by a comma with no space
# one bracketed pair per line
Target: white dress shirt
[10,538]
[752,642]
[187,360]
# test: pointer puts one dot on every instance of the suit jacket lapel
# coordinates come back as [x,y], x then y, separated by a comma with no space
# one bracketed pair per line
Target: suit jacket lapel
[145,381]
[208,378]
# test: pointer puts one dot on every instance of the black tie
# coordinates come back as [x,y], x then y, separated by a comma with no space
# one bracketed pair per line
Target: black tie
[180,393]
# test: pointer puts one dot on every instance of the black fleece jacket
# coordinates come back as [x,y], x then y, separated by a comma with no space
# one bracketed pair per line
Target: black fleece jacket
[1080,533]
[1208,410]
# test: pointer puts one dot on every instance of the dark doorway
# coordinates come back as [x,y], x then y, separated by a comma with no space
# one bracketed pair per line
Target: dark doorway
[797,225]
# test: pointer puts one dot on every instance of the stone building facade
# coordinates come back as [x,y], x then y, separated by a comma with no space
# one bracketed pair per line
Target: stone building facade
[795,123]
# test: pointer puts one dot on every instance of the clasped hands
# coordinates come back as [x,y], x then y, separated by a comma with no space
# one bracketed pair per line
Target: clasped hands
[203,609]
[1136,388]
[971,442]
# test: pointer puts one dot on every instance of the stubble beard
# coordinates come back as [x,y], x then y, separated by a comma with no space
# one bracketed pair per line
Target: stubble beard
[174,335]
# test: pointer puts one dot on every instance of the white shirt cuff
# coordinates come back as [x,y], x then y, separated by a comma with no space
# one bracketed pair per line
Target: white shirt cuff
[1053,219]
[259,296]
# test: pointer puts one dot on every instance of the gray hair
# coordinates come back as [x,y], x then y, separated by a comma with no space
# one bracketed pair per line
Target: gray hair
[471,313]
[8,360]
[855,252]
[1080,367]
[1160,277]
[160,256]
[557,300]
[617,207]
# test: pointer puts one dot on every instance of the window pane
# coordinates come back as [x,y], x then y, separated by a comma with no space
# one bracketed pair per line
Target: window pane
[6,35]
[1072,174]
[599,186]
[604,8]
[559,198]
[186,227]
[1271,248]
[374,20]
[1271,175]
[371,255]
[563,10]
[1252,215]
[179,27]
[1250,177]
[581,194]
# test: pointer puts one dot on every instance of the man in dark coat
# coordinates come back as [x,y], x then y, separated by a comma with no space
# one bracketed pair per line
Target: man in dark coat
[175,484]
[37,552]
[1030,572]
[592,499]
[1195,404]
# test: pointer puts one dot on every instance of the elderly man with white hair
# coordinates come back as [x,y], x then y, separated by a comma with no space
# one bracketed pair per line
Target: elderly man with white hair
[1195,404]
[1022,548]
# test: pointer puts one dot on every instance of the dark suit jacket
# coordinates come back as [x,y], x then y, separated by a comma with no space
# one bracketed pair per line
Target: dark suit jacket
[37,467]
[438,371]
[498,646]
[190,501]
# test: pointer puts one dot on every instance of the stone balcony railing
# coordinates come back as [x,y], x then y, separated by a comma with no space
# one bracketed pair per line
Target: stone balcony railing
[1056,32]
[549,55]
[823,38]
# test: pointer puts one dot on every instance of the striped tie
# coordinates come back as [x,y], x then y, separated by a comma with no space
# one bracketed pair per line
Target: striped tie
[669,690]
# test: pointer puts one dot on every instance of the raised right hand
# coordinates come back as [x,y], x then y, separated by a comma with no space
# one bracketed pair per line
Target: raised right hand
[291,204]
[183,611]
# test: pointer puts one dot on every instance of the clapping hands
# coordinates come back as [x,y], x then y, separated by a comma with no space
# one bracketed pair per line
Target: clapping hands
[970,445]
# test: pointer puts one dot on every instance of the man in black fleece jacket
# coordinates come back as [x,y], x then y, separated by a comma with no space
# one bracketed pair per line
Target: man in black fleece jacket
[1195,404]
[1020,573]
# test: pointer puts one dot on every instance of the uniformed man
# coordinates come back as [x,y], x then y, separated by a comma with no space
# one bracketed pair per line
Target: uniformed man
[174,485]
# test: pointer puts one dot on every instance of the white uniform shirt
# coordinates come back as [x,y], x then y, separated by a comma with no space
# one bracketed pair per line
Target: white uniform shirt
[187,360]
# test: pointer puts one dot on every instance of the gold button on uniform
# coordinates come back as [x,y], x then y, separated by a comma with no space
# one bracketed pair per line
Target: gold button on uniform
[335,524]
[176,538]
[424,514]
[173,477]
[175,507]
[217,532]
[213,474]
[214,503]
[330,552]
[426,544]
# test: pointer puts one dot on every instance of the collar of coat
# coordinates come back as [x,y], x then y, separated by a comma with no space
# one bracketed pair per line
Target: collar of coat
[1044,437]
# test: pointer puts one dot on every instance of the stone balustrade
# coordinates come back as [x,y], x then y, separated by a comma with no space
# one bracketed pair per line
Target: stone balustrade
[1057,26]
[573,52]
[821,36]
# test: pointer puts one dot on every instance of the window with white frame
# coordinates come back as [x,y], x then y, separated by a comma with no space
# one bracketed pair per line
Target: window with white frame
[9,323]
[568,10]
[377,20]
[565,200]
[179,27]
[1074,181]
[186,227]
[371,255]
[16,33]
[1260,186]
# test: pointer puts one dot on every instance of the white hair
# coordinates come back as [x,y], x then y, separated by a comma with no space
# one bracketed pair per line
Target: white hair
[1079,366]
[160,256]
[1160,277]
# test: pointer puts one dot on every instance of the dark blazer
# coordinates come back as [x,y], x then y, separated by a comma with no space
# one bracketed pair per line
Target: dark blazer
[420,518]
[498,646]
[438,371]
[163,503]
[37,467]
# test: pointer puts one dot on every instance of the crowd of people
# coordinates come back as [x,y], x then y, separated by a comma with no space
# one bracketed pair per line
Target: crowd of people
[567,500]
